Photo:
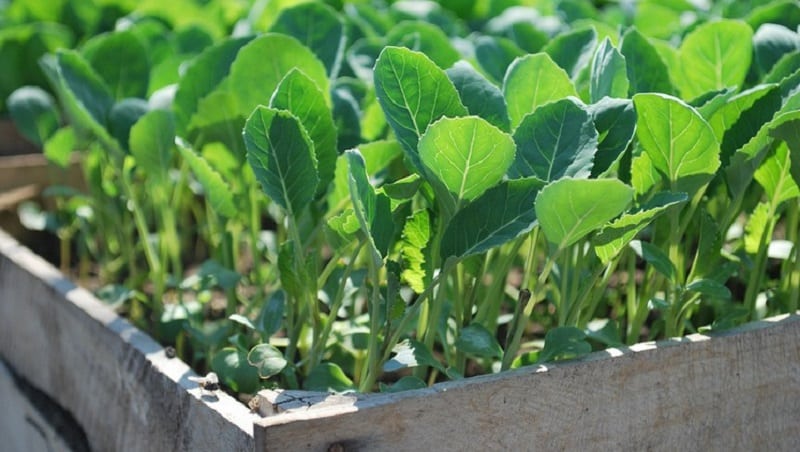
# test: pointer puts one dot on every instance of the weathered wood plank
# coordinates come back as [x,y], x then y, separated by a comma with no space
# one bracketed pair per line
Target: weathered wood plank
[115,380]
[735,391]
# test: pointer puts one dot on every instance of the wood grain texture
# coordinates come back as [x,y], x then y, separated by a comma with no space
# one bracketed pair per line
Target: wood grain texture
[735,391]
[115,380]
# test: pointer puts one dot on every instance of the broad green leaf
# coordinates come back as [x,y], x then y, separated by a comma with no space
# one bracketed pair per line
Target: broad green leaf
[480,96]
[655,257]
[615,236]
[328,377]
[426,38]
[282,157]
[572,50]
[756,227]
[320,28]
[646,70]
[772,41]
[217,190]
[372,209]
[88,97]
[786,127]
[361,56]
[679,142]
[234,371]
[747,134]
[217,120]
[709,287]
[657,19]
[476,340]
[556,140]
[784,67]
[151,142]
[300,96]
[58,148]
[532,81]
[122,116]
[727,115]
[34,113]
[482,225]
[263,62]
[468,155]
[563,342]
[783,12]
[406,383]
[415,238]
[121,59]
[715,55]
[495,55]
[267,359]
[609,77]
[615,122]
[774,175]
[211,275]
[290,271]
[346,114]
[202,75]
[270,318]
[413,93]
[569,209]
[411,353]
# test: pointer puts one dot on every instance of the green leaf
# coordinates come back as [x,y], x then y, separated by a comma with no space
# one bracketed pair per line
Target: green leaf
[121,59]
[242,320]
[495,54]
[770,42]
[605,331]
[202,75]
[406,383]
[609,77]
[320,28]
[615,122]
[151,142]
[267,359]
[468,155]
[282,157]
[89,99]
[426,38]
[58,148]
[372,209]
[328,377]
[411,353]
[774,174]
[300,96]
[263,62]
[532,81]
[617,234]
[564,342]
[727,115]
[569,209]
[572,50]
[480,96]
[415,238]
[476,340]
[270,318]
[217,190]
[756,227]
[502,214]
[556,140]
[710,287]
[234,371]
[123,115]
[655,257]
[646,70]
[679,142]
[713,56]
[34,113]
[413,93]
[785,127]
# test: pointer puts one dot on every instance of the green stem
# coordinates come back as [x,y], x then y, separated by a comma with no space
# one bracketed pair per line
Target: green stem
[373,362]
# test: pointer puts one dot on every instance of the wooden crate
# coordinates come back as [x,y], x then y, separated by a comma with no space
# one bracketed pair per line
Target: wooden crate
[739,390]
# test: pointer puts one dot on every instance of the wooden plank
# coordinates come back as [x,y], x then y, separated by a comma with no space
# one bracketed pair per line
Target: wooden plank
[20,170]
[736,391]
[114,380]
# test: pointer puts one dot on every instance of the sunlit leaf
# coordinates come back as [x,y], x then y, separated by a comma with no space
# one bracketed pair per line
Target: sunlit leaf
[532,81]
